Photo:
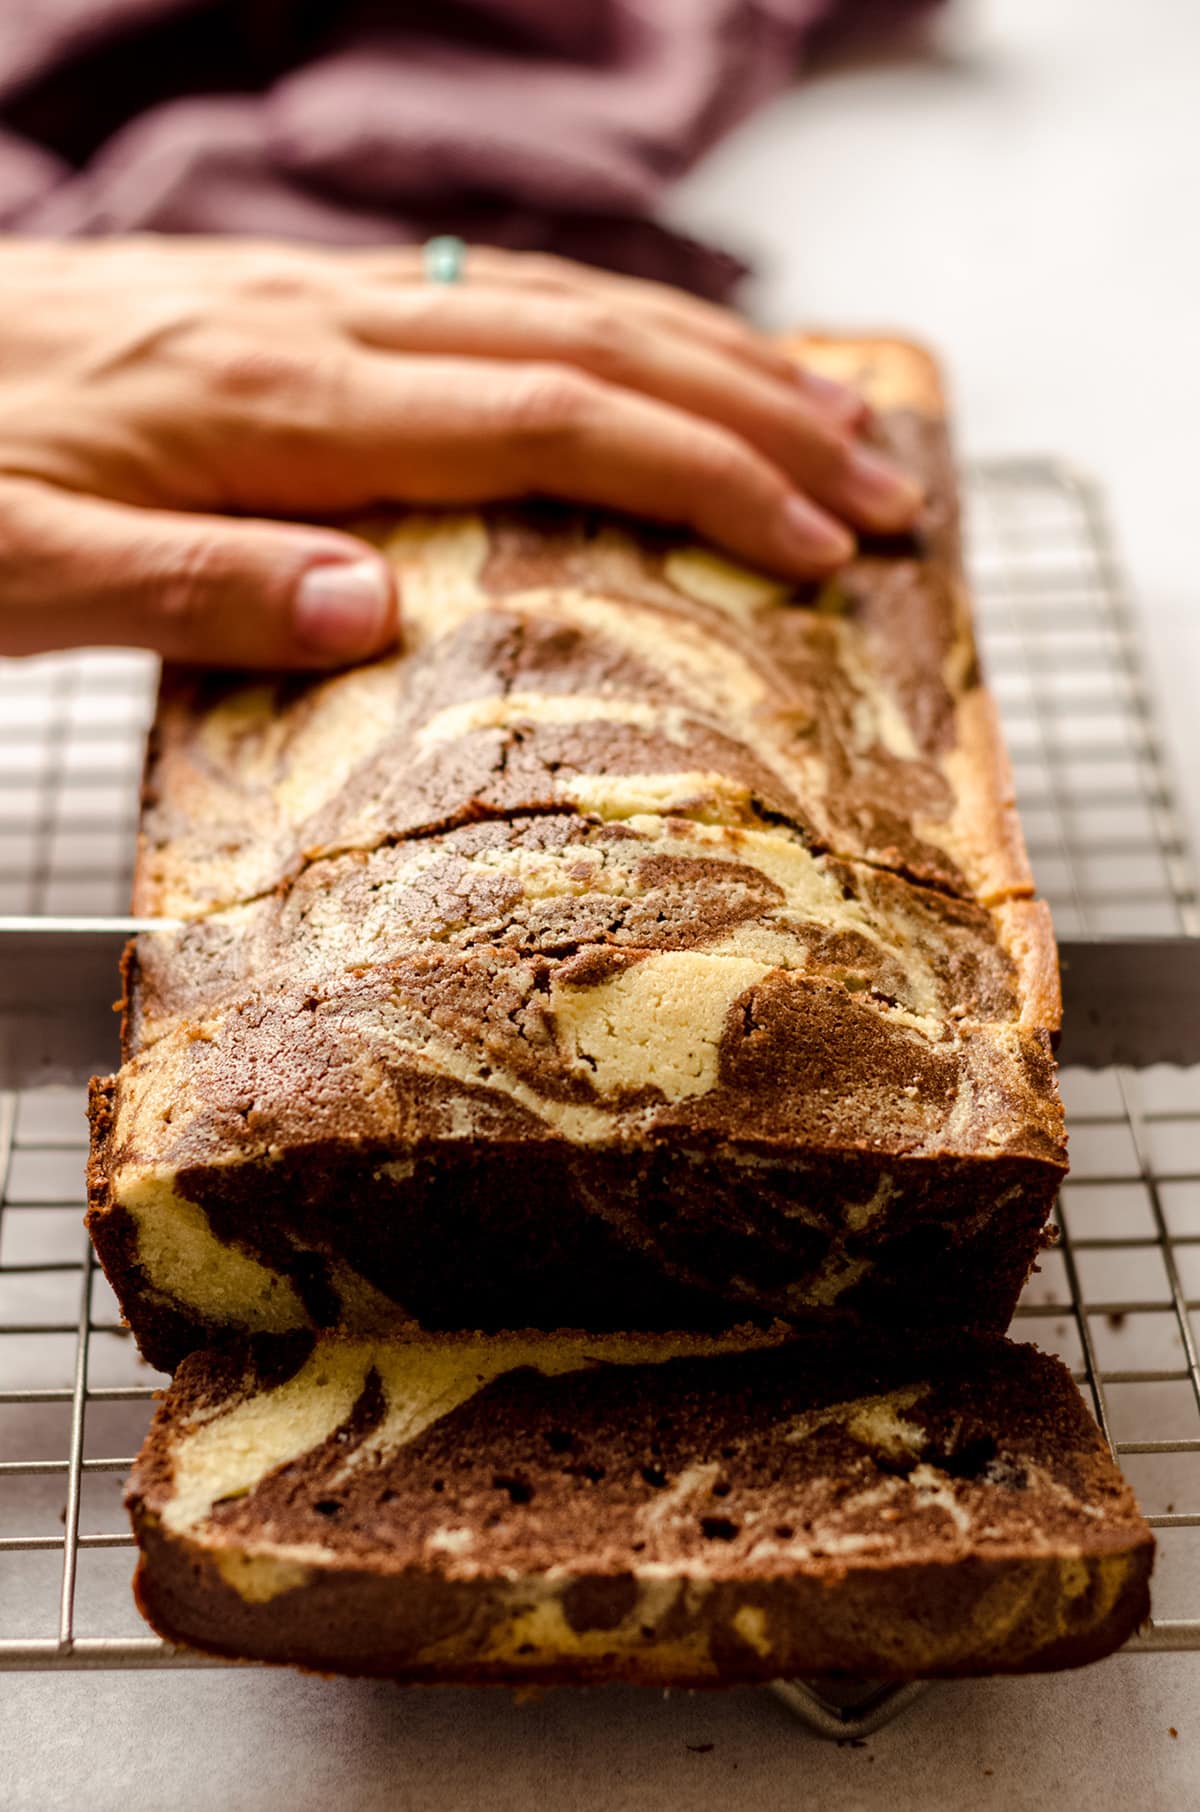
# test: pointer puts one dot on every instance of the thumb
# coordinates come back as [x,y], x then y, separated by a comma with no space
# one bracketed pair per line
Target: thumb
[227,592]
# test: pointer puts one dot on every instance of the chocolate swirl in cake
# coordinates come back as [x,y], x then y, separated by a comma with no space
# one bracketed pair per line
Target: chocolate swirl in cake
[644,943]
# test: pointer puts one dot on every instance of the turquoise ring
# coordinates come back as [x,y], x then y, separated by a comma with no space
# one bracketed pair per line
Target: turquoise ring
[445,259]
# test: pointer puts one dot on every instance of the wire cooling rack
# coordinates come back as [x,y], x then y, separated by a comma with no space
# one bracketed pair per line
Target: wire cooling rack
[1119,1298]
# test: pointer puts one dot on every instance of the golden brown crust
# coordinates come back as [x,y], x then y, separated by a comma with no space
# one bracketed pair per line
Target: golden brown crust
[898,374]
[891,371]
[986,817]
[1027,933]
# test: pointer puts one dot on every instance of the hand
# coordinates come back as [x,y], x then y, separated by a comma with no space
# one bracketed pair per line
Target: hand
[145,381]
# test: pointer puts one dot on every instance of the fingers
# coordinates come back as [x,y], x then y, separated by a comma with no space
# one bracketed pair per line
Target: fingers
[672,308]
[192,588]
[487,267]
[842,404]
[600,444]
[634,299]
[657,304]
[789,423]
[465,431]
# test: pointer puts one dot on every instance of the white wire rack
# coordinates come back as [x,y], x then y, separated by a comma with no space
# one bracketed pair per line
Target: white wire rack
[1119,1298]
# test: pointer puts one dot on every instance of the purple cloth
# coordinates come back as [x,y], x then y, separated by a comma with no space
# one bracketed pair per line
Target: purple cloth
[528,123]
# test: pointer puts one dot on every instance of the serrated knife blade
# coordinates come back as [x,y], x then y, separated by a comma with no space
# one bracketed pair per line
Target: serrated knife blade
[59,981]
[1132,1001]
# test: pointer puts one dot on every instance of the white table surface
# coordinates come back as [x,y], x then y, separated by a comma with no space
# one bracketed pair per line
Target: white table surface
[1026,205]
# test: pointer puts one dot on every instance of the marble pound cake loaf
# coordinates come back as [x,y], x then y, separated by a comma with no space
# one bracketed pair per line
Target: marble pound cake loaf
[644,944]
[660,1509]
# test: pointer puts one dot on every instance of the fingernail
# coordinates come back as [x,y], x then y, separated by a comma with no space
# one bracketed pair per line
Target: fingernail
[841,403]
[343,609]
[827,391]
[879,492]
[814,538]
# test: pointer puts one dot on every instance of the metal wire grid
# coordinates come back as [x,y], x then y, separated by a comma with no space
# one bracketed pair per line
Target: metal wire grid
[1118,1299]
[1111,857]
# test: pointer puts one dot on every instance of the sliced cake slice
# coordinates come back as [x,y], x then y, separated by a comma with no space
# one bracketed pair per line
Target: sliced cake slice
[478,1138]
[660,1509]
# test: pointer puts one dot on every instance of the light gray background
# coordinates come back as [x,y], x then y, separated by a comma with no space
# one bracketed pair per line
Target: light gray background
[1027,204]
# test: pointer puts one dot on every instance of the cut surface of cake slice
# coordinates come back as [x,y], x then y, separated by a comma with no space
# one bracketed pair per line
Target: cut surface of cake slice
[668,1509]
[645,943]
[672,1139]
